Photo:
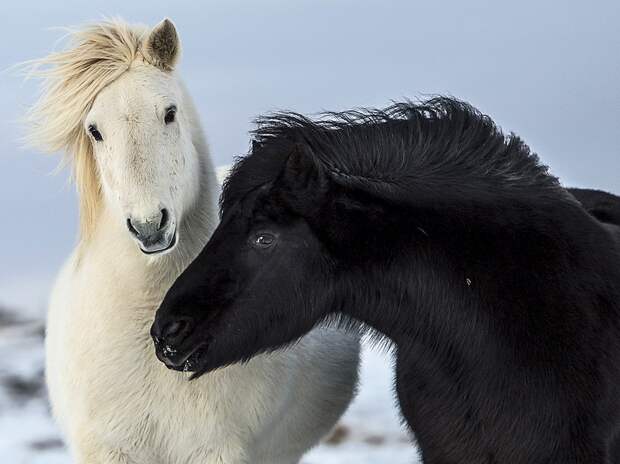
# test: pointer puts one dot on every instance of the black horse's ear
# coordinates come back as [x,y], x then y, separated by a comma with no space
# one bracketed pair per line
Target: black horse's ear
[303,173]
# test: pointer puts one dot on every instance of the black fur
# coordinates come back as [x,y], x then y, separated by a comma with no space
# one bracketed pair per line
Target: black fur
[430,226]
[602,205]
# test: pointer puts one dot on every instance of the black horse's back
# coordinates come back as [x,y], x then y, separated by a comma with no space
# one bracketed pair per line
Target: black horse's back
[615,451]
[602,205]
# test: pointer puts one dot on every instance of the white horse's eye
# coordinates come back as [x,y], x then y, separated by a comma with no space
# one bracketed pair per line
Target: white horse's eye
[170,115]
[92,129]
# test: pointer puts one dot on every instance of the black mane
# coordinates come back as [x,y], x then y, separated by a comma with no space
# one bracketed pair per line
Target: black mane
[388,153]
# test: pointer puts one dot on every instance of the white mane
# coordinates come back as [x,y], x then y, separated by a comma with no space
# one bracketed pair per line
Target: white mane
[97,55]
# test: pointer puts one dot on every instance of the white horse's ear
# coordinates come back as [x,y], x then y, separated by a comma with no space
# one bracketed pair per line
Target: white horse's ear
[162,47]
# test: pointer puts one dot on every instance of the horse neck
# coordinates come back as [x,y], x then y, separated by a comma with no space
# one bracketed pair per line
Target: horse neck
[452,271]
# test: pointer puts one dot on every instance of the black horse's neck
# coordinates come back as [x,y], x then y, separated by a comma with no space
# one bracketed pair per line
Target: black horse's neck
[497,309]
[499,290]
[487,270]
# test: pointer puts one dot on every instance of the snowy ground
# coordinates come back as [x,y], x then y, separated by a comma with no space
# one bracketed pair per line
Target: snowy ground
[370,432]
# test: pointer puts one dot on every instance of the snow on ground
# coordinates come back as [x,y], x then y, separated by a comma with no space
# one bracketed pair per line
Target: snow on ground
[370,431]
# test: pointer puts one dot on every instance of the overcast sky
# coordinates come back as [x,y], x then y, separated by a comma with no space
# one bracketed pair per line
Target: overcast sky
[549,71]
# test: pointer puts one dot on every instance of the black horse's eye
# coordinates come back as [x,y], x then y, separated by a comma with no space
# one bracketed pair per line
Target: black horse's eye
[170,115]
[92,129]
[263,240]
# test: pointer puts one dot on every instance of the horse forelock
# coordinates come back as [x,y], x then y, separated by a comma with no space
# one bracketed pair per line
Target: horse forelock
[97,55]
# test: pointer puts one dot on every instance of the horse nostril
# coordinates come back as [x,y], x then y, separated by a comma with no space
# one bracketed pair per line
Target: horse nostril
[175,331]
[131,228]
[151,227]
[165,218]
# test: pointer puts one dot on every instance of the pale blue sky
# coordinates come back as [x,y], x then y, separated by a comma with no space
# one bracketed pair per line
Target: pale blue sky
[549,71]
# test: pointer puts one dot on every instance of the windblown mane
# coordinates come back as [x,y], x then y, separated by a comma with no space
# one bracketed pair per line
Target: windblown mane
[393,153]
[97,56]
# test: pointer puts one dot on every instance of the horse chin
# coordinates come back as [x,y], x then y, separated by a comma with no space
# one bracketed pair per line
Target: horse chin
[205,360]
[199,364]
[162,247]
[194,360]
[200,372]
[203,365]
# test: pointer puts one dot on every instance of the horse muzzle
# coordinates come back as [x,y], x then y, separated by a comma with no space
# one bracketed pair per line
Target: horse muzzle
[174,347]
[155,234]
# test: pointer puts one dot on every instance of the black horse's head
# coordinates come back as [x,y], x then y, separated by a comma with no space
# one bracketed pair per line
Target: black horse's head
[262,280]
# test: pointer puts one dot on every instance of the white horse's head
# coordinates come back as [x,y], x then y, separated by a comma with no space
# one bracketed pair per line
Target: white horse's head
[139,130]
[129,126]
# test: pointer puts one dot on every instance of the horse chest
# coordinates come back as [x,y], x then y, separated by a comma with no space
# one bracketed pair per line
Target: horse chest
[106,374]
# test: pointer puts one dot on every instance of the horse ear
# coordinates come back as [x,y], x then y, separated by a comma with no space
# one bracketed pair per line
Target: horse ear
[303,172]
[162,47]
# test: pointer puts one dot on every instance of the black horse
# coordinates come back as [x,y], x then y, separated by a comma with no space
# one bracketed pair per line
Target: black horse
[602,205]
[427,224]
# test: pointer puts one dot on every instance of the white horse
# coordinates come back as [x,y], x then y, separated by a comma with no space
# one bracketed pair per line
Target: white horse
[147,189]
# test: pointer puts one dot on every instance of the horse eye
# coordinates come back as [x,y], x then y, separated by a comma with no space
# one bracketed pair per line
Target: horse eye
[170,115]
[264,240]
[95,133]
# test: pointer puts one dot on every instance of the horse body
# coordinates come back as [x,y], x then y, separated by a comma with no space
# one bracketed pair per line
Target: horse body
[602,205]
[533,369]
[114,401]
[498,288]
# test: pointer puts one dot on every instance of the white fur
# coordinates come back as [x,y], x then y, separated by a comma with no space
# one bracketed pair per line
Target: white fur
[116,403]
